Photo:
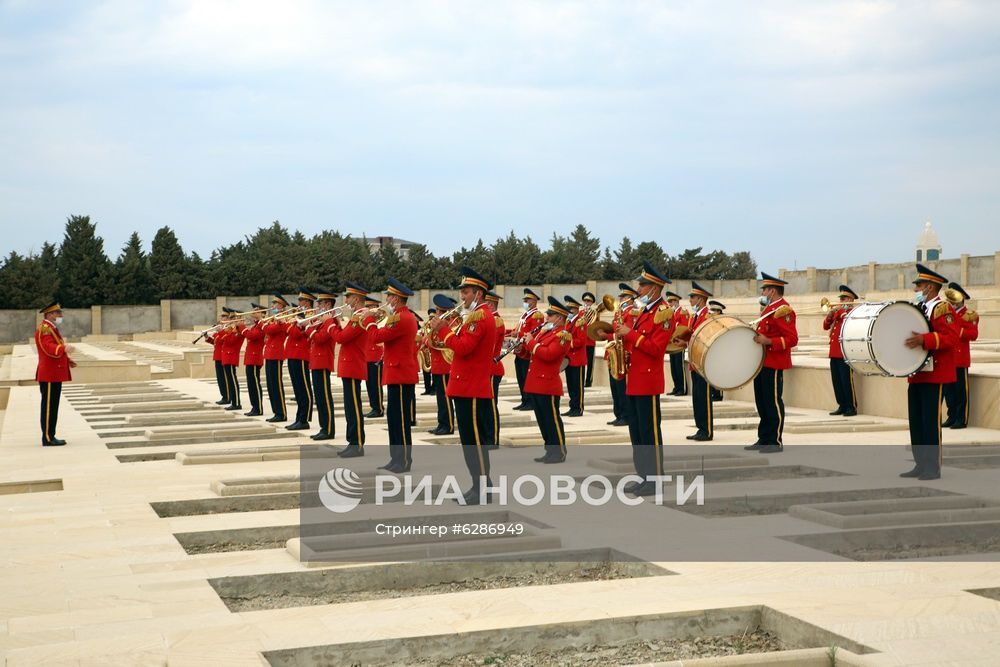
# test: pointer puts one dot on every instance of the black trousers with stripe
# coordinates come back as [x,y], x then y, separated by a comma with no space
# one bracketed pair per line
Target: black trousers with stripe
[446,409]
[276,387]
[767,389]
[354,413]
[220,379]
[254,389]
[324,400]
[51,392]
[374,386]
[494,435]
[677,373]
[645,434]
[574,386]
[923,402]
[428,381]
[701,398]
[521,373]
[590,367]
[843,385]
[298,373]
[474,416]
[956,396]
[619,401]
[397,415]
[233,385]
[550,424]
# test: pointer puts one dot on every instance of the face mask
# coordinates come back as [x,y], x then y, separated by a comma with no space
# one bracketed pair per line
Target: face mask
[919,298]
[763,300]
[549,326]
[273,311]
[389,308]
[473,305]
[526,306]
[642,301]
[58,321]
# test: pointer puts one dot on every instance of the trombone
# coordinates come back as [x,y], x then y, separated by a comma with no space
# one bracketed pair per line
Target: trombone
[286,314]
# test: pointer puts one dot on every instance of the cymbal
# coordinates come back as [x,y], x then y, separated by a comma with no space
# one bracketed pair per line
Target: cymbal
[600,330]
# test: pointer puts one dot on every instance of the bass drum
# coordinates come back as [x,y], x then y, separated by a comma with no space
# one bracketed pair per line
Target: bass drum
[723,351]
[873,338]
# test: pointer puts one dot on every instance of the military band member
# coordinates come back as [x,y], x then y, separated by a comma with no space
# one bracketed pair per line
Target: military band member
[471,385]
[548,348]
[840,372]
[373,359]
[681,319]
[297,354]
[589,301]
[493,301]
[253,359]
[275,332]
[54,364]
[957,393]
[646,336]
[575,372]
[231,346]
[701,390]
[619,401]
[401,372]
[441,369]
[530,319]
[352,368]
[216,339]
[777,333]
[428,375]
[925,387]
[322,333]
[716,308]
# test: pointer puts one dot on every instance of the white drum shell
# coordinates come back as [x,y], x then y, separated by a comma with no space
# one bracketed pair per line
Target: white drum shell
[873,337]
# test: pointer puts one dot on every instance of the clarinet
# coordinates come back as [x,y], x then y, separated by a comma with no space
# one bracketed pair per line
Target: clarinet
[517,343]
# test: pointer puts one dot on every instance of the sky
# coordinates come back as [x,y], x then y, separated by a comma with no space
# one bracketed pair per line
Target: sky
[808,133]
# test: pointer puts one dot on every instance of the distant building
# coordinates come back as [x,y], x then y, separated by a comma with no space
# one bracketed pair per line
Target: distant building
[376,243]
[928,247]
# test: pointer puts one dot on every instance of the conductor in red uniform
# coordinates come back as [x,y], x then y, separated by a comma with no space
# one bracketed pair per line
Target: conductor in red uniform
[777,333]
[54,366]
[926,387]
[840,372]
[471,382]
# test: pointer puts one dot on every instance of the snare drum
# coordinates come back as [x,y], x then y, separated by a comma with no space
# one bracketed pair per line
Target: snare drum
[873,338]
[723,351]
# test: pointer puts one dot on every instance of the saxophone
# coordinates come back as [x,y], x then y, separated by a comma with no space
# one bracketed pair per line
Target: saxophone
[618,356]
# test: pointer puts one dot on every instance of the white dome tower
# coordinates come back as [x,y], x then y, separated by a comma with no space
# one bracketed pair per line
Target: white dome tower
[928,247]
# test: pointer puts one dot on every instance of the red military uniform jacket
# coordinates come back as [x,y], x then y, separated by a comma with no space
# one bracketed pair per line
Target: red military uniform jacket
[399,336]
[529,322]
[682,319]
[498,369]
[253,355]
[652,331]
[274,340]
[373,350]
[577,327]
[472,366]
[834,322]
[547,352]
[296,342]
[780,328]
[942,341]
[968,321]
[322,338]
[53,362]
[231,345]
[216,341]
[438,364]
[353,339]
[696,321]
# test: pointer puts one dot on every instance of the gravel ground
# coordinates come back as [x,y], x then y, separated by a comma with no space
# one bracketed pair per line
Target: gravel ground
[627,653]
[586,572]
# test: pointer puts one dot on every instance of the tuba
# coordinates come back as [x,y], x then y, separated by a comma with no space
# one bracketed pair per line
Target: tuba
[953,296]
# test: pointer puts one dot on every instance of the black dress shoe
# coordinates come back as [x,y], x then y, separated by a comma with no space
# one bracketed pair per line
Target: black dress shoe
[948,423]
[350,452]
[691,437]
[573,413]
[386,466]
[322,435]
[588,385]
[297,426]
[911,473]
[771,449]
[838,411]
[555,459]
[55,442]
[234,407]
[522,406]
[754,447]
[620,422]
[373,414]
[644,489]
[253,413]
[541,459]
[700,436]
[221,402]
[613,422]
[427,392]
[276,419]
[850,413]
[492,447]
[957,425]
[924,476]
[471,497]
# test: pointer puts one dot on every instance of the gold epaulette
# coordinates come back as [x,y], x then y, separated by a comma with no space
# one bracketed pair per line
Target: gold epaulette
[538,315]
[941,309]
[500,322]
[565,336]
[474,316]
[392,320]
[581,323]
[783,311]
[663,313]
[971,316]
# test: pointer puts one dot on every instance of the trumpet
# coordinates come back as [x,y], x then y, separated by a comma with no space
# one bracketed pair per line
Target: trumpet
[335,311]
[826,306]
[286,314]
[210,330]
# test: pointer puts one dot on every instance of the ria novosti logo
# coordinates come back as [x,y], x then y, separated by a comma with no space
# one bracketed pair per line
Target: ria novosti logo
[340,490]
